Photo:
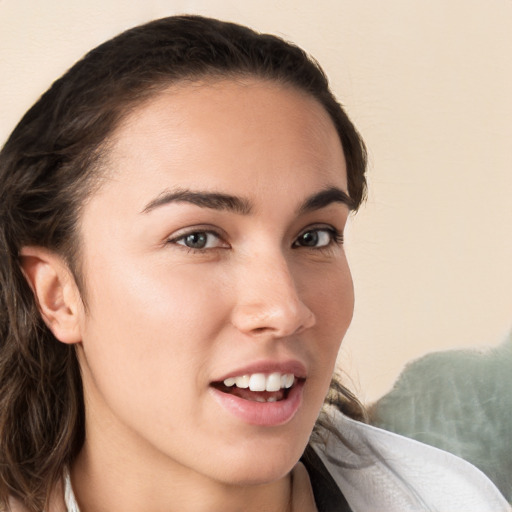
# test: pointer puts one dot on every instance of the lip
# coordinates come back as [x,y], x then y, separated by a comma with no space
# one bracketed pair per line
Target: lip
[290,366]
[265,414]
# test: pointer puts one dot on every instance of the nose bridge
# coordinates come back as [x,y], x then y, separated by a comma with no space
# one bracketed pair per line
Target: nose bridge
[268,298]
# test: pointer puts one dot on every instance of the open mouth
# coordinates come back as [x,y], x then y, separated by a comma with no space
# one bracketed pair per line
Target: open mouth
[259,387]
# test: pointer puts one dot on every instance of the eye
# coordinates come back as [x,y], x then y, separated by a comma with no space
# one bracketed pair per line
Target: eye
[318,238]
[199,240]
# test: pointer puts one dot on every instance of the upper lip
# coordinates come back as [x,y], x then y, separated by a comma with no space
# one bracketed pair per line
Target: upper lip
[291,366]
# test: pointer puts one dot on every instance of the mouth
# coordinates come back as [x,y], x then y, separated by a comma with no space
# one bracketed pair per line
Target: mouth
[265,393]
[259,387]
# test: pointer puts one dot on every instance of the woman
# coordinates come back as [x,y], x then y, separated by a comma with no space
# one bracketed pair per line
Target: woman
[174,289]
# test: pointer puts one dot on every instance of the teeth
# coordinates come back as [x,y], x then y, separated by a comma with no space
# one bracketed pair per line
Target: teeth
[257,382]
[273,382]
[287,380]
[241,382]
[261,382]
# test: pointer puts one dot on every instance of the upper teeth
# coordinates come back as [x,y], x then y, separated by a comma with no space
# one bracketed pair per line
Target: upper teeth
[261,382]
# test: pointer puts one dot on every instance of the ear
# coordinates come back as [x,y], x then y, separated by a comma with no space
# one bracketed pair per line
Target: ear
[55,291]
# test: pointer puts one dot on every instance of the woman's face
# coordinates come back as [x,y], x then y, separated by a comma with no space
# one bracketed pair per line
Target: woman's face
[213,260]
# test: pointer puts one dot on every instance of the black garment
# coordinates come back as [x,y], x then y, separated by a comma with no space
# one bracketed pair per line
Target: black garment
[328,496]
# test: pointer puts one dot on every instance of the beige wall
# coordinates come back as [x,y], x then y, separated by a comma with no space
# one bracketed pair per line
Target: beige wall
[429,85]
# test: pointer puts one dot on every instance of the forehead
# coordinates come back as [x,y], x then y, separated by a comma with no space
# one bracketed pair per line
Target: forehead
[228,133]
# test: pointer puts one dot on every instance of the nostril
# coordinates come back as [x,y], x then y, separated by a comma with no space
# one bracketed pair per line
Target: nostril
[280,320]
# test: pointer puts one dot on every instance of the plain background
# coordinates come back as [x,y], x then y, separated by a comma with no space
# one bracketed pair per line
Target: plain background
[429,85]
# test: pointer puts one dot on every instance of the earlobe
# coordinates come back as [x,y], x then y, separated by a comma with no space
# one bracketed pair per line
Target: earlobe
[55,292]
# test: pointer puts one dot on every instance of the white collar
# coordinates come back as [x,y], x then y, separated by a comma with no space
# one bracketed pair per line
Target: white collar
[379,471]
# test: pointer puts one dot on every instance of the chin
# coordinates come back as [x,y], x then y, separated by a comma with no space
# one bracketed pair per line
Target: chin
[259,463]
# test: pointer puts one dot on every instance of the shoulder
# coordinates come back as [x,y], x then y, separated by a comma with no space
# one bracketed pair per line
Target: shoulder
[381,471]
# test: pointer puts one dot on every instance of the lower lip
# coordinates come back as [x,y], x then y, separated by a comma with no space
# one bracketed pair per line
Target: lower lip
[267,414]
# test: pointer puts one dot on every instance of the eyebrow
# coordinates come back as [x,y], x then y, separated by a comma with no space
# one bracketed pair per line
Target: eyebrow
[325,198]
[240,205]
[213,200]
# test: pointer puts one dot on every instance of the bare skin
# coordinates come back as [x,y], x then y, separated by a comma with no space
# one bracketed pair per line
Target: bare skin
[167,318]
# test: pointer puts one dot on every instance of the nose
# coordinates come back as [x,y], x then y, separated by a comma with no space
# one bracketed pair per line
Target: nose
[268,301]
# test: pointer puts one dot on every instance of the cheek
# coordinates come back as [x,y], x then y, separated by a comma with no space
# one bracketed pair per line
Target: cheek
[340,307]
[157,306]
[150,333]
[330,295]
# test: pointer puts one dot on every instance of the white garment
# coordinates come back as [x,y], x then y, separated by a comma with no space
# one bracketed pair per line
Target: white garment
[379,471]
[69,496]
[385,472]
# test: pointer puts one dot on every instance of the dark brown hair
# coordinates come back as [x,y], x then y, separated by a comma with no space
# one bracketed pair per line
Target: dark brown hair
[49,166]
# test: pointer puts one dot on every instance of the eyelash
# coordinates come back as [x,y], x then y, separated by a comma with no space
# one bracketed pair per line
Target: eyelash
[336,237]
